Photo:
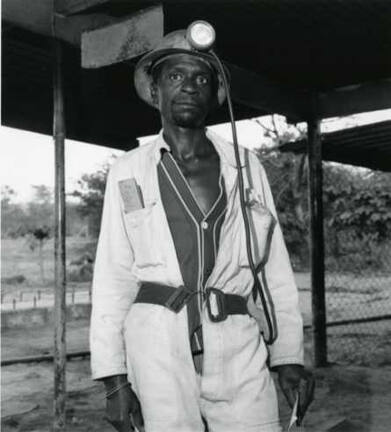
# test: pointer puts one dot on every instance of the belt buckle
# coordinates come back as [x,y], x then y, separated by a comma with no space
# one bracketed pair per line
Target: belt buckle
[178,299]
[219,298]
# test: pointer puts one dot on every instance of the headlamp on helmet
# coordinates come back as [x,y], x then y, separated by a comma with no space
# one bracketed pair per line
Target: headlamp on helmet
[201,35]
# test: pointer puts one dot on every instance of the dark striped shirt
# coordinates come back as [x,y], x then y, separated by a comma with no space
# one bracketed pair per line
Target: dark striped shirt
[195,235]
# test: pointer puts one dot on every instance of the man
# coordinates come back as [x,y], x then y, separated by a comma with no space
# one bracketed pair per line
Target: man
[171,252]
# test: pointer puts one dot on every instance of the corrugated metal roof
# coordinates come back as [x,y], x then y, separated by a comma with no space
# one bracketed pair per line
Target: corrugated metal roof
[367,146]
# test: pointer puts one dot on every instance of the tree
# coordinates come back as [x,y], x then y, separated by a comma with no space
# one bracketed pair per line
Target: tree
[7,195]
[37,237]
[360,203]
[43,194]
[40,209]
[357,203]
[91,194]
[21,219]
[13,217]
[287,174]
[40,221]
[358,217]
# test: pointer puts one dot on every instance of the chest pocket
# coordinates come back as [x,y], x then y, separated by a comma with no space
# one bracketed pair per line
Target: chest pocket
[144,232]
[262,223]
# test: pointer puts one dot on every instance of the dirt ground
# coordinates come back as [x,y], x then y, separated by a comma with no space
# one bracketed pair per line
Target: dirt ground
[355,397]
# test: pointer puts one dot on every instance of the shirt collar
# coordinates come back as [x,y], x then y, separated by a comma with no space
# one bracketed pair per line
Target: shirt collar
[226,151]
[160,144]
[224,148]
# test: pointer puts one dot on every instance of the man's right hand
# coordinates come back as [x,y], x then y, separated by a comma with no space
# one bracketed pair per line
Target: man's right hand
[123,408]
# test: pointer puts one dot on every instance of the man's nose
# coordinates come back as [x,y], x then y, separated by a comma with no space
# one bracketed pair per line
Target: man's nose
[189,85]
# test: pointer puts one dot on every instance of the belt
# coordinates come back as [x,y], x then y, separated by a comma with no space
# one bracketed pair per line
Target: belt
[219,304]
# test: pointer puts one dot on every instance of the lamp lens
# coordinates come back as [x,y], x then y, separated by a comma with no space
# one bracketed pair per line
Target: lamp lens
[202,35]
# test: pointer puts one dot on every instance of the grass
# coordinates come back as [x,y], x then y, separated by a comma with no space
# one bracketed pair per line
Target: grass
[18,260]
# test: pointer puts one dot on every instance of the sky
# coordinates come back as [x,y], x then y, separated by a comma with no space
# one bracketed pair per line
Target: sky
[27,158]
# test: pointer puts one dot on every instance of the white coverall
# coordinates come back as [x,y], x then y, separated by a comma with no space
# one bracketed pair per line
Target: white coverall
[150,343]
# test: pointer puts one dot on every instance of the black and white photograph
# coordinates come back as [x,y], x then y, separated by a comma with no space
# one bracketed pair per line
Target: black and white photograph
[195,215]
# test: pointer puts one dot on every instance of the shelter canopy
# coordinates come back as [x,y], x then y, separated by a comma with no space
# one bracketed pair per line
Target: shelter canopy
[367,146]
[302,59]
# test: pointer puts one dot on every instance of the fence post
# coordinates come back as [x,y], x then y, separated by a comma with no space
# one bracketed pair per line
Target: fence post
[59,353]
[317,242]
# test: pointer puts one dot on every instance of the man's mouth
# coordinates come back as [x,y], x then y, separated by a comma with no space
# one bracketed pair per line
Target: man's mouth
[186,103]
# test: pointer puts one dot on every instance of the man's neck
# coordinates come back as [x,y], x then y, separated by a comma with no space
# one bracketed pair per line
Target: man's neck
[186,144]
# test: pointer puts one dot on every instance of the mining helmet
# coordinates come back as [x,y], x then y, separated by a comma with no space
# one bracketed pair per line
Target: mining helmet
[178,42]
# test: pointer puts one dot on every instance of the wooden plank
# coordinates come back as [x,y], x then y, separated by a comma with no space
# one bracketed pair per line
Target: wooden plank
[59,352]
[315,184]
[71,28]
[355,99]
[69,7]
[36,16]
[43,358]
[122,41]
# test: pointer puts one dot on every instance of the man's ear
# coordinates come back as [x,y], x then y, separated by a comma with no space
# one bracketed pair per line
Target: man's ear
[215,102]
[215,96]
[154,94]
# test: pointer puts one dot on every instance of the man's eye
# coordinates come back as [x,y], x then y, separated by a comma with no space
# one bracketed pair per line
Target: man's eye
[175,76]
[202,80]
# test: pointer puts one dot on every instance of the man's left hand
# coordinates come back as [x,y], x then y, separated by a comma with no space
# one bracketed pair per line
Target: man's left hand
[295,379]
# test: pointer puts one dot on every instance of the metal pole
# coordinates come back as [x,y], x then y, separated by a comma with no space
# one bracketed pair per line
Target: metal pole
[317,243]
[59,353]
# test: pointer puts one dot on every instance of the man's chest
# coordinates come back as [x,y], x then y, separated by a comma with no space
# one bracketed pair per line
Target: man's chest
[202,177]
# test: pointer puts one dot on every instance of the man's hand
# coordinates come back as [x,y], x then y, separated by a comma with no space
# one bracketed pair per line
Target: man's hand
[295,379]
[123,408]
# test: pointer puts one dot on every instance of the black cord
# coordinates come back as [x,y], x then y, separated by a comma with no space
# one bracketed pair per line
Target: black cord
[257,284]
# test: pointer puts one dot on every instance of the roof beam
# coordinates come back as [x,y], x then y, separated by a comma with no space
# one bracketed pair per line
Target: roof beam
[255,91]
[365,146]
[355,99]
[363,159]
[122,41]
[71,28]
[366,158]
[37,17]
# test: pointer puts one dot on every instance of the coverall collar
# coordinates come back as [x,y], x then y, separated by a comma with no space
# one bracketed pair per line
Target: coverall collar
[224,150]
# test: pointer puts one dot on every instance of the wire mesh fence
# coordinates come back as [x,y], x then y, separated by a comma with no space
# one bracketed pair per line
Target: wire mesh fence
[358,270]
[358,263]
[357,228]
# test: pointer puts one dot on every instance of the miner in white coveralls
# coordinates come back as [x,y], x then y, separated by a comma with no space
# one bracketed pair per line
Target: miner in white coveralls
[171,335]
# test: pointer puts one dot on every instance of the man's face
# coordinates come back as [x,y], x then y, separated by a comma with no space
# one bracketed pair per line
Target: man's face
[185,91]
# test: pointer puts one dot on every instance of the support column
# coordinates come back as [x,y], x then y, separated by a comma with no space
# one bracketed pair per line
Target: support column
[315,182]
[59,353]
